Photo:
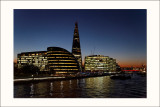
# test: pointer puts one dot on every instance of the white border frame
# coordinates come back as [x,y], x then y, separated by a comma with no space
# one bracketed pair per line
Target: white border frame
[152,52]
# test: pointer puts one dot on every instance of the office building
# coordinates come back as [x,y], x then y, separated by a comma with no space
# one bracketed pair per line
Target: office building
[112,64]
[56,60]
[76,49]
[99,63]
[38,59]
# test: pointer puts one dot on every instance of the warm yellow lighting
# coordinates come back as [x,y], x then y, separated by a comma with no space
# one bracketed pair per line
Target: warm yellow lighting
[63,63]
[56,51]
[60,54]
[65,69]
[51,57]
[63,66]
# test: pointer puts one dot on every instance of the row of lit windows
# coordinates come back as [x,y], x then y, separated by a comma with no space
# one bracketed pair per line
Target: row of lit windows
[29,57]
[38,60]
[56,51]
[62,57]
[41,63]
[22,60]
[74,48]
[34,63]
[63,72]
[98,57]
[60,54]
[92,60]
[51,57]
[32,60]
[96,60]
[99,66]
[40,57]
[63,63]
[33,54]
[87,65]
[97,69]
[95,64]
[62,66]
[62,60]
[65,69]
[77,55]
[100,69]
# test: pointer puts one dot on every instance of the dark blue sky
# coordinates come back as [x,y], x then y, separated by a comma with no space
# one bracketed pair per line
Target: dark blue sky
[120,34]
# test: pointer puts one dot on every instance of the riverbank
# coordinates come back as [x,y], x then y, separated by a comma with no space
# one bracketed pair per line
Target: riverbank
[51,78]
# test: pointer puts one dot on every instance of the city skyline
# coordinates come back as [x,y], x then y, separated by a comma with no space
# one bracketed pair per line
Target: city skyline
[117,33]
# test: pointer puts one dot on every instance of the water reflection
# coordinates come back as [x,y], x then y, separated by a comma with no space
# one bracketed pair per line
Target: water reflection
[51,89]
[32,90]
[98,87]
[77,81]
[70,81]
[61,86]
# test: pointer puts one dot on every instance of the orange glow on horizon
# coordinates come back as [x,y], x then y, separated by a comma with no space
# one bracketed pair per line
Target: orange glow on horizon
[131,65]
[15,61]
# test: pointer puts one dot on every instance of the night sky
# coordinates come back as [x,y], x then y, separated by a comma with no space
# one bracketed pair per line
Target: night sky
[120,34]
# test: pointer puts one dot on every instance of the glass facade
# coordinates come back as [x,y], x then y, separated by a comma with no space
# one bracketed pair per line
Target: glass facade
[61,61]
[76,49]
[99,63]
[112,64]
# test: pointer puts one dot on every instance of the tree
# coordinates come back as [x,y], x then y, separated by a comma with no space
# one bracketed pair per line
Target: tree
[30,69]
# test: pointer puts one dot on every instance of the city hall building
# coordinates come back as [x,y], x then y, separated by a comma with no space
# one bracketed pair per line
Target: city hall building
[61,61]
[99,63]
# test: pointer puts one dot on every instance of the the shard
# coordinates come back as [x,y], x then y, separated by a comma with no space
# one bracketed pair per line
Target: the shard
[76,49]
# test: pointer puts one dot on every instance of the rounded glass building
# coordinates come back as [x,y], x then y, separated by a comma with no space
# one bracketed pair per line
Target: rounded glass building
[61,61]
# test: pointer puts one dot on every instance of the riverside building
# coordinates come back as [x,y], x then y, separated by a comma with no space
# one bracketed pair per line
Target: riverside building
[61,61]
[56,60]
[100,63]
[38,59]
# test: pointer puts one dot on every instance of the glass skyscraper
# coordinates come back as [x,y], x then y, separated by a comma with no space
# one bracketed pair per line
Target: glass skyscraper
[76,49]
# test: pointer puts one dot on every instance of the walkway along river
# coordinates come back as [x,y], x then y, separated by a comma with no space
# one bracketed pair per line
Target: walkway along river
[94,87]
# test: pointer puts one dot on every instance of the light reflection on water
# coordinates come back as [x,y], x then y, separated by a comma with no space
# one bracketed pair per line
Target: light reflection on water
[97,87]
[51,89]
[32,90]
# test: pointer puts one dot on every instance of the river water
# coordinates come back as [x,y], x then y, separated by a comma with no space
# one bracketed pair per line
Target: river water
[94,87]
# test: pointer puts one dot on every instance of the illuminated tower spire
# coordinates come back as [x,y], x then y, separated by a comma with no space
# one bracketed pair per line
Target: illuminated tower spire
[76,50]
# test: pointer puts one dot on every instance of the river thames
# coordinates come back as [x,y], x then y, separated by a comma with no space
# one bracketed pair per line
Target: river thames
[94,87]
